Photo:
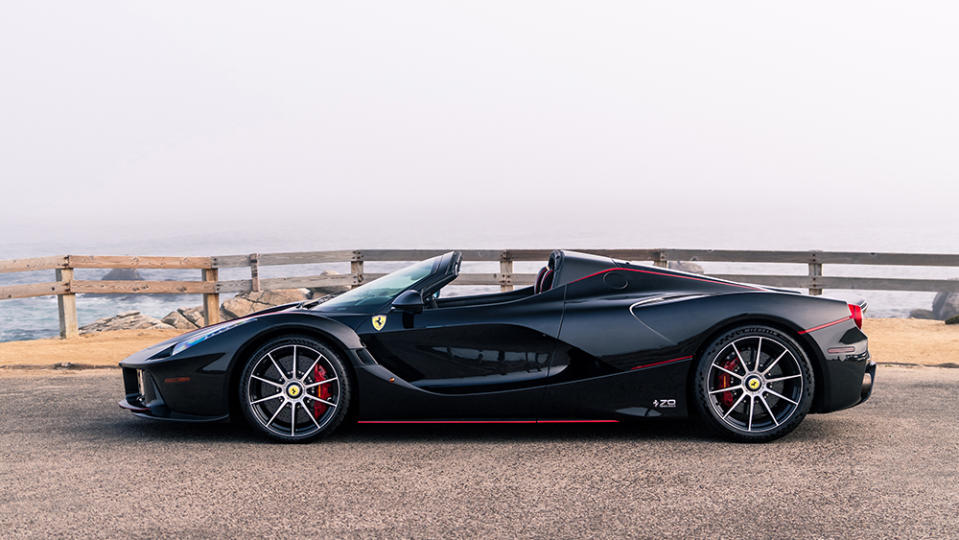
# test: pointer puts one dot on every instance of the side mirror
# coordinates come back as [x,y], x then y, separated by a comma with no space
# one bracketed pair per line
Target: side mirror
[409,301]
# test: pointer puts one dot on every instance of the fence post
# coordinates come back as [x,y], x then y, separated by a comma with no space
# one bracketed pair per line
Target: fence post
[356,269]
[815,270]
[255,272]
[211,301]
[660,260]
[67,305]
[505,271]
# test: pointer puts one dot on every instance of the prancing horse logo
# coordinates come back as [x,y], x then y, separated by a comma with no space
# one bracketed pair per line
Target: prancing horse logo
[379,321]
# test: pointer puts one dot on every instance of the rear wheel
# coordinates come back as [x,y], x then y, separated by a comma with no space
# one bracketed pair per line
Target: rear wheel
[754,384]
[294,389]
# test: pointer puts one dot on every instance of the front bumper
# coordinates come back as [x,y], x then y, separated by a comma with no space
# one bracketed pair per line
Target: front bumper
[143,397]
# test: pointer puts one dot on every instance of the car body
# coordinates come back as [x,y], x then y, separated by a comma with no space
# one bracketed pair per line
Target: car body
[595,339]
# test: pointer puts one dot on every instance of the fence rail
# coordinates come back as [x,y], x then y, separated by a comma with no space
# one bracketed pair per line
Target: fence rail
[210,286]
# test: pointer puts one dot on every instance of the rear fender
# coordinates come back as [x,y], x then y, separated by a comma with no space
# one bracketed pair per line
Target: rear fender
[704,319]
[683,320]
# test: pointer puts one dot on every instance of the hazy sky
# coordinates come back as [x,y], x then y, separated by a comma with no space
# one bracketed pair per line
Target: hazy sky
[298,125]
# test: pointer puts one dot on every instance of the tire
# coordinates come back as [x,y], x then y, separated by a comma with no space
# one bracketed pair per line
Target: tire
[749,401]
[294,406]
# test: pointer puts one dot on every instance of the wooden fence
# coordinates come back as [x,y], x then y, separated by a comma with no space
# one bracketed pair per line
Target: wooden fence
[66,287]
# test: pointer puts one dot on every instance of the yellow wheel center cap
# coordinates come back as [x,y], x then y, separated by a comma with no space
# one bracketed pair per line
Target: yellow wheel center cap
[753,384]
[293,391]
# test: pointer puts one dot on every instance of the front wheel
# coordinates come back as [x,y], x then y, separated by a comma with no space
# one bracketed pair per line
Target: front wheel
[754,384]
[294,389]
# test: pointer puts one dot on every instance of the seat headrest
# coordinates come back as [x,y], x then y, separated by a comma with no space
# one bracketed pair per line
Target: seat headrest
[544,280]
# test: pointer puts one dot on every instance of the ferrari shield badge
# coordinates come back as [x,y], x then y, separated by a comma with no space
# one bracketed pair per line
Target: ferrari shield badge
[379,321]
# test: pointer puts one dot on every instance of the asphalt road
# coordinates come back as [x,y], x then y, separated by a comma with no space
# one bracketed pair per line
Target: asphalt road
[73,464]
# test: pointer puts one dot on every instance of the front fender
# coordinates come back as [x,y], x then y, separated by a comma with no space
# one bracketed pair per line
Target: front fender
[274,324]
[198,380]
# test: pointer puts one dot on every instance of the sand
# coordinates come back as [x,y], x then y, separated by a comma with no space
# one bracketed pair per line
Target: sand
[912,341]
[891,341]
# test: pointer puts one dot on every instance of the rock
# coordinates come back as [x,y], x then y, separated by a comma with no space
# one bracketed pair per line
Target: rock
[122,274]
[317,292]
[242,305]
[922,314]
[685,266]
[953,320]
[239,306]
[194,315]
[177,320]
[946,305]
[128,320]
[186,318]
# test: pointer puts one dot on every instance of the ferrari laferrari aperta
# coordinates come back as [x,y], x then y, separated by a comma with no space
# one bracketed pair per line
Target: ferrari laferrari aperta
[594,340]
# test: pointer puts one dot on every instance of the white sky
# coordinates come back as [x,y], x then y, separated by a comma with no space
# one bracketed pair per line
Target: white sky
[706,124]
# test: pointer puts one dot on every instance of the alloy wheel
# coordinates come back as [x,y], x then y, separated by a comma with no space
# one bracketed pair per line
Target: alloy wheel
[293,391]
[755,384]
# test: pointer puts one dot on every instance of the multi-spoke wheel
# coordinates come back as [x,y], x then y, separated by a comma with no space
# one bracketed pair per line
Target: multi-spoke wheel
[294,389]
[754,384]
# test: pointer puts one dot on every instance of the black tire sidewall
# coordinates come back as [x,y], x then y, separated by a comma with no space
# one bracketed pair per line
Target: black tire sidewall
[339,367]
[701,383]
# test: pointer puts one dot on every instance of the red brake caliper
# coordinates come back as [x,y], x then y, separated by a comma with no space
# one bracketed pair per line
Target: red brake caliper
[725,381]
[322,391]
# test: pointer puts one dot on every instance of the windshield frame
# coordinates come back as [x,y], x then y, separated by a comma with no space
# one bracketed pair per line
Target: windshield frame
[346,303]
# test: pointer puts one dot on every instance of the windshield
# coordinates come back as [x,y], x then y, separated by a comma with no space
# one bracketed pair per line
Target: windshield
[382,290]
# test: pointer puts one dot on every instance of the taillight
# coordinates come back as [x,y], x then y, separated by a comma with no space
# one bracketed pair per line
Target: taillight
[856,314]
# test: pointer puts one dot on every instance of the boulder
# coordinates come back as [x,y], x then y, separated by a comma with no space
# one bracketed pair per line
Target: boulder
[194,315]
[922,314]
[122,274]
[945,305]
[186,318]
[129,320]
[177,320]
[686,266]
[243,304]
[240,305]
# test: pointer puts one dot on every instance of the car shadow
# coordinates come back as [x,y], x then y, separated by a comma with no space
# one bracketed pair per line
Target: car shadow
[646,430]
[143,430]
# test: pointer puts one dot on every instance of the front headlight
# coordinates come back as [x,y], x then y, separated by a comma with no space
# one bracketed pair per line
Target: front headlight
[206,334]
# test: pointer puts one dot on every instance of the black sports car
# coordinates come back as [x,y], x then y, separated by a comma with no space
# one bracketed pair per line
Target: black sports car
[595,340]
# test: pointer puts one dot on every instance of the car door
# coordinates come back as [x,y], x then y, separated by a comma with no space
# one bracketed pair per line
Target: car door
[599,371]
[476,361]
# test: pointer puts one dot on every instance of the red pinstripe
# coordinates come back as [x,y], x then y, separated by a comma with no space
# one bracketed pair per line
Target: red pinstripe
[667,275]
